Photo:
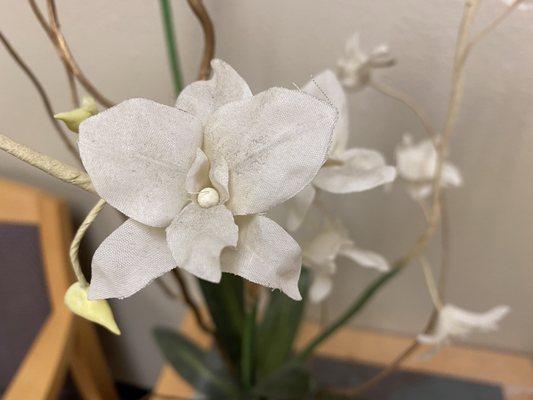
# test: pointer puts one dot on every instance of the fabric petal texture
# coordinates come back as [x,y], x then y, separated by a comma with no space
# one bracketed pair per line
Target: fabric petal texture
[197,237]
[202,98]
[364,258]
[298,206]
[274,144]
[320,287]
[327,87]
[219,176]
[359,170]
[198,174]
[137,154]
[128,260]
[266,255]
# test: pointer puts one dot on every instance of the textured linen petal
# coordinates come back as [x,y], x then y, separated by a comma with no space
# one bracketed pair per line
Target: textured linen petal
[320,287]
[298,206]
[274,145]
[219,176]
[197,236]
[128,260]
[137,154]
[364,258]
[361,169]
[265,254]
[198,175]
[327,87]
[202,98]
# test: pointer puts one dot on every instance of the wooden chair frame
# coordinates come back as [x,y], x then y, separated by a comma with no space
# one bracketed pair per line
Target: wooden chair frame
[64,341]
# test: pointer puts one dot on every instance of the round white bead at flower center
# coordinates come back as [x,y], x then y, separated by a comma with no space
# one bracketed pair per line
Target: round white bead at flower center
[208,197]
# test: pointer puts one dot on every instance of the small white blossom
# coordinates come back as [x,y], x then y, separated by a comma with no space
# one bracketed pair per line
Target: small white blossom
[194,180]
[524,5]
[355,66]
[454,322]
[346,170]
[320,254]
[416,163]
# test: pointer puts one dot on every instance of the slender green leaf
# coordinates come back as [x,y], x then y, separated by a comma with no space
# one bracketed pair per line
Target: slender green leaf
[292,382]
[170,40]
[226,306]
[279,328]
[193,364]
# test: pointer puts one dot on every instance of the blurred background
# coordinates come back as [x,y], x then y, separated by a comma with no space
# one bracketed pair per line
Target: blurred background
[120,46]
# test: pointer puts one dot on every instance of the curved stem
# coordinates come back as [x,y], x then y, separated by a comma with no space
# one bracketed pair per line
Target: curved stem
[66,55]
[71,82]
[170,40]
[50,165]
[356,306]
[188,299]
[200,11]
[42,94]
[407,101]
[80,233]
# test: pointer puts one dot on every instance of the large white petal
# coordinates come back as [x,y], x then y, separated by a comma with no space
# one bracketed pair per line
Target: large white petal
[202,98]
[137,154]
[298,206]
[266,255]
[359,170]
[197,237]
[364,258]
[320,287]
[327,87]
[485,321]
[128,260]
[274,144]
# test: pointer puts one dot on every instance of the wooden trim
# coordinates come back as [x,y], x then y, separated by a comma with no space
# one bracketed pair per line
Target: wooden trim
[64,340]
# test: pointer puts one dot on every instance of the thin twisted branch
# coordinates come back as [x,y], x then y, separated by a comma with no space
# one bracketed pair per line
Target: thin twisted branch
[42,94]
[407,101]
[190,301]
[58,40]
[200,11]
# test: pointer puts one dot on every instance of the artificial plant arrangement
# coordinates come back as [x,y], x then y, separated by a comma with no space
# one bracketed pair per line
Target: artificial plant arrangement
[195,180]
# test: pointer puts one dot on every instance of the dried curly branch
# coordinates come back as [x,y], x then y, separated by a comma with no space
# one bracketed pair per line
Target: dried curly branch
[71,81]
[42,93]
[58,40]
[200,11]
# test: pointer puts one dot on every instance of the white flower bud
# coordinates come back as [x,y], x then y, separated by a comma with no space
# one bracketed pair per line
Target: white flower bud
[208,197]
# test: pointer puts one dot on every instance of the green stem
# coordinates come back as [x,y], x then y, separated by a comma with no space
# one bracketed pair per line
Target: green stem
[247,353]
[356,306]
[170,38]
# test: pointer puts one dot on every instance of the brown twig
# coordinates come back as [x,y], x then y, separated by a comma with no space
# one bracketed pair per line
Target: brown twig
[200,11]
[42,93]
[71,82]
[59,42]
[407,101]
[187,298]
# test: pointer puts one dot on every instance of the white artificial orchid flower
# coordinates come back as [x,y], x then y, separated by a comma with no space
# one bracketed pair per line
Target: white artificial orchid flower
[194,179]
[416,163]
[321,252]
[355,67]
[454,322]
[524,5]
[346,170]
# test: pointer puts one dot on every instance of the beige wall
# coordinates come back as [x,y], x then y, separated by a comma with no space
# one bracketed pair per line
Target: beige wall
[120,46]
